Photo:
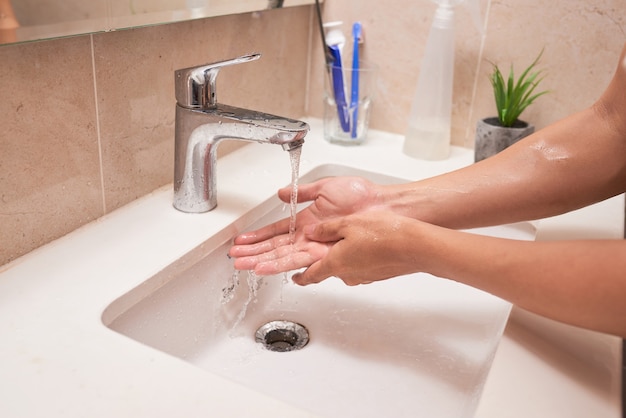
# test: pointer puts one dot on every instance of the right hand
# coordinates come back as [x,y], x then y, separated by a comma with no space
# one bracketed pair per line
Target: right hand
[268,250]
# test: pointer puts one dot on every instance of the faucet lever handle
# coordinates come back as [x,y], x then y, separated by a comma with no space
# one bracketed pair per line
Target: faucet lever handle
[196,86]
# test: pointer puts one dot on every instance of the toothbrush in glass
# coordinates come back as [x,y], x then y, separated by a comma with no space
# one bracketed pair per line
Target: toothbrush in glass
[354,91]
[335,41]
[338,89]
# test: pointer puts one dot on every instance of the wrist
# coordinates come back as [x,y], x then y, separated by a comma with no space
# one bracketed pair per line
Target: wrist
[407,200]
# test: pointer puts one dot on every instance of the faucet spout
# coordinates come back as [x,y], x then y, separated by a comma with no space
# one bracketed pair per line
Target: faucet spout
[202,122]
[199,132]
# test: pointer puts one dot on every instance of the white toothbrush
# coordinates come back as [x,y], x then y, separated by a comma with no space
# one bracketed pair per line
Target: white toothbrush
[335,41]
[334,35]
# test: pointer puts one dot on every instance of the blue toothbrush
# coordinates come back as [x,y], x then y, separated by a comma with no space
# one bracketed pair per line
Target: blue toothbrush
[338,89]
[354,94]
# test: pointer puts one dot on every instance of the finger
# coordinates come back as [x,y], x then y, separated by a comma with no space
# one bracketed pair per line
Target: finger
[329,231]
[289,262]
[306,192]
[245,263]
[314,274]
[266,246]
[251,262]
[267,254]
[260,247]
[262,234]
[285,258]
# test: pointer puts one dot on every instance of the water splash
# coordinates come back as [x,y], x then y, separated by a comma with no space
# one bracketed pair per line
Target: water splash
[254,283]
[228,292]
[284,282]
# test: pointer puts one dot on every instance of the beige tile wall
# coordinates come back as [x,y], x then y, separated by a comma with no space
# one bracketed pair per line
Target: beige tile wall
[58,171]
[74,147]
[135,74]
[49,164]
[582,40]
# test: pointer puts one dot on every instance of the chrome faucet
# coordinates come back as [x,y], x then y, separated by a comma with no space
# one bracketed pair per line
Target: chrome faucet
[201,123]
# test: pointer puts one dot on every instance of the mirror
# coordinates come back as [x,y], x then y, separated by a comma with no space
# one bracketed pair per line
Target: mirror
[29,20]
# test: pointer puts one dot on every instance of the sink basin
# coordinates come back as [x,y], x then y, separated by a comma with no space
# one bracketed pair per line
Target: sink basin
[416,345]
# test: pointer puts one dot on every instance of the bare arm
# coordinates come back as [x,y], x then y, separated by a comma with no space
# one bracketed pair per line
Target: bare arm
[579,282]
[566,166]
[572,163]
[575,162]
[373,232]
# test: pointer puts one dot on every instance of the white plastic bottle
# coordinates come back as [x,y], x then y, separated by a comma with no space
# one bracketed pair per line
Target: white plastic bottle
[428,134]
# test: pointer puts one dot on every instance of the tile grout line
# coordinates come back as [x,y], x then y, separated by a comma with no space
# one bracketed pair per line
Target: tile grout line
[307,90]
[95,93]
[481,51]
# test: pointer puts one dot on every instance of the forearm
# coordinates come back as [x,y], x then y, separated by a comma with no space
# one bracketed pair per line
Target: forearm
[579,282]
[570,164]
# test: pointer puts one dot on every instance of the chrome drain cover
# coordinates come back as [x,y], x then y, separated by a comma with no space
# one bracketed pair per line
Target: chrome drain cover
[282,336]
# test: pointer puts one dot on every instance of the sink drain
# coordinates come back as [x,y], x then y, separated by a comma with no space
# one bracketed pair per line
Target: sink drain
[282,336]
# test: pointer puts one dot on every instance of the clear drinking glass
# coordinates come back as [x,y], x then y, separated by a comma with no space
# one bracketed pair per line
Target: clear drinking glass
[346,119]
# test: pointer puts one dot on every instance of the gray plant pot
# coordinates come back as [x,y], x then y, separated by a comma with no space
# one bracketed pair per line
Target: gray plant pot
[491,138]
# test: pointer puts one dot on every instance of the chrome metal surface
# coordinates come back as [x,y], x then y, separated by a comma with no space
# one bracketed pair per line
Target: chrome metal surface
[201,123]
[195,86]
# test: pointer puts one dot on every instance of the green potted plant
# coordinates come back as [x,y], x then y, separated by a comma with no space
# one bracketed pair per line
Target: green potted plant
[493,134]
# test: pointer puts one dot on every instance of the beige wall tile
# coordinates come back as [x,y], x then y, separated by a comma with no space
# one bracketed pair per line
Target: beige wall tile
[582,40]
[395,38]
[49,162]
[49,170]
[135,79]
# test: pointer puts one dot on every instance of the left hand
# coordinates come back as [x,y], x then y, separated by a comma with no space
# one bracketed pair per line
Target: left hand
[366,247]
[269,250]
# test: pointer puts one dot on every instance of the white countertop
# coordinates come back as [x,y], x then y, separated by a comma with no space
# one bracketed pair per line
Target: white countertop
[57,359]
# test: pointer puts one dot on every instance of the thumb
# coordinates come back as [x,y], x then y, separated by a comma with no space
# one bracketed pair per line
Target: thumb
[329,231]
[306,192]
[313,274]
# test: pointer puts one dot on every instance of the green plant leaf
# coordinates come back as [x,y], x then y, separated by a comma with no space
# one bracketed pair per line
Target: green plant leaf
[513,97]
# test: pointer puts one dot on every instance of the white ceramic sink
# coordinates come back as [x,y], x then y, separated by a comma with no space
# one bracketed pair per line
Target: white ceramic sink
[415,345]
